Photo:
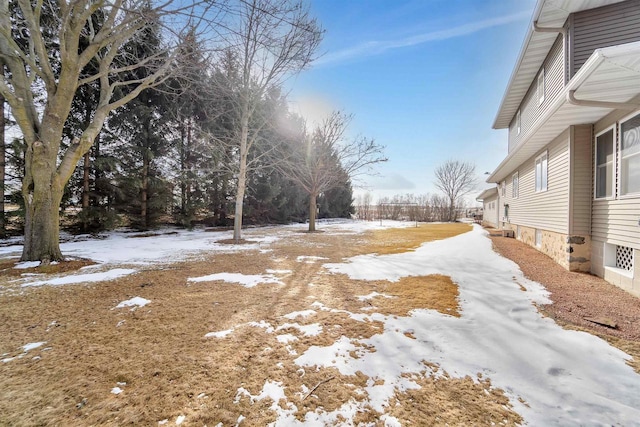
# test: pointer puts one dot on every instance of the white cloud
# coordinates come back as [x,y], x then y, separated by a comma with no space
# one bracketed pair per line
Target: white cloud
[375,47]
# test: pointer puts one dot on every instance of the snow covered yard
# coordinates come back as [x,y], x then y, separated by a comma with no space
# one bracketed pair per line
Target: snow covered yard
[357,325]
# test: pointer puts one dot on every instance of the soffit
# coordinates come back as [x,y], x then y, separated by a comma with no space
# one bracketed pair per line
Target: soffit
[489,192]
[536,46]
[611,74]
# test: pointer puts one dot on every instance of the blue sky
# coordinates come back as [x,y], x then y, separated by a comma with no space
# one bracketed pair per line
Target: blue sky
[422,77]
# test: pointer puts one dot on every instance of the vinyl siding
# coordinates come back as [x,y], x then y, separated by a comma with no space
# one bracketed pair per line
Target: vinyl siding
[580,192]
[602,27]
[547,210]
[530,111]
[615,221]
[490,215]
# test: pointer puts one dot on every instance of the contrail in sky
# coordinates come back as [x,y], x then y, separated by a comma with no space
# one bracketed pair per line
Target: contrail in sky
[372,48]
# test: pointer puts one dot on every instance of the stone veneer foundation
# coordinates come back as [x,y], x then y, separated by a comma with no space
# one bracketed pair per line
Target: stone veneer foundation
[571,252]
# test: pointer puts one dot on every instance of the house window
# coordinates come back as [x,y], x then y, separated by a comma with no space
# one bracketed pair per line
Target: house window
[503,188]
[518,123]
[605,164]
[541,87]
[542,162]
[630,156]
[538,238]
[514,186]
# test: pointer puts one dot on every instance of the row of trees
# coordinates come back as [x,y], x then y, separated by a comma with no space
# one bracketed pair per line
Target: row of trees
[128,106]
[455,179]
[407,207]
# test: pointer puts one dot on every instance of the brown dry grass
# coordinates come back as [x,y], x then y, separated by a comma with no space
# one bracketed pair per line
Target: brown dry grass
[171,369]
[398,240]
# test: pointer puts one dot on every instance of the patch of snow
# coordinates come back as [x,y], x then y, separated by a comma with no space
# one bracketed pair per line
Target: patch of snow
[565,377]
[310,259]
[32,345]
[270,390]
[303,313]
[240,419]
[219,334]
[115,273]
[180,419]
[163,422]
[286,338]
[133,302]
[373,295]
[116,390]
[27,264]
[308,330]
[264,325]
[246,280]
[390,421]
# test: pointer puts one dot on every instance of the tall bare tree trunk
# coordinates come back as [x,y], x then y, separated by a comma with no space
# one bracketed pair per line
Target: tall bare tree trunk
[313,209]
[145,191]
[242,174]
[188,190]
[85,191]
[183,171]
[3,228]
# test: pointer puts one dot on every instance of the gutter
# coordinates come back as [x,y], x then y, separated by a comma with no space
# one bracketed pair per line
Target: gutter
[571,99]
[536,29]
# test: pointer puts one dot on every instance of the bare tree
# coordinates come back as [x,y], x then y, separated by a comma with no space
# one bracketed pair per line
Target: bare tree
[2,159]
[53,49]
[455,179]
[320,161]
[363,207]
[273,39]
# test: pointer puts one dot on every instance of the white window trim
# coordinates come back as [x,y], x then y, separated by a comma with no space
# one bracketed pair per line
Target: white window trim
[515,186]
[503,188]
[615,164]
[541,88]
[518,122]
[535,174]
[618,143]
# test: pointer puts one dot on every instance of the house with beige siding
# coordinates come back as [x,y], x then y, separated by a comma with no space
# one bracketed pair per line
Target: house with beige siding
[490,202]
[570,182]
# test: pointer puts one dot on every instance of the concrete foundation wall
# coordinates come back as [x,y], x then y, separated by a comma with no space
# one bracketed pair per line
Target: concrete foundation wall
[571,252]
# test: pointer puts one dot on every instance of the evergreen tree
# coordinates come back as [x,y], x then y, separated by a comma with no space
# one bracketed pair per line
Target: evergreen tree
[137,132]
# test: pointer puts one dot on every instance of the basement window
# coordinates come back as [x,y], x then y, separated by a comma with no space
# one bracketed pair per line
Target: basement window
[619,259]
[538,238]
